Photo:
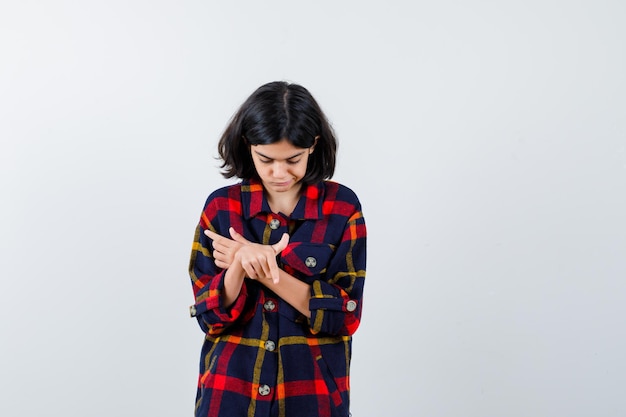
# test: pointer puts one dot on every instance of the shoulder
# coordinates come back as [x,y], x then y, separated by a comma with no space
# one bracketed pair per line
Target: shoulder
[342,199]
[340,192]
[220,203]
[222,195]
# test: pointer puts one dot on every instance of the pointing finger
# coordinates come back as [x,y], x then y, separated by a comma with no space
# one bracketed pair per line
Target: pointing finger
[274,270]
[237,237]
[212,235]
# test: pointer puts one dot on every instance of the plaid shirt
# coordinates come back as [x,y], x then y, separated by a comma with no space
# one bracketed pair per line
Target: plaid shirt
[261,357]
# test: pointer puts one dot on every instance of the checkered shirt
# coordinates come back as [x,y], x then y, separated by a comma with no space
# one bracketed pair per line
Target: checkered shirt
[261,357]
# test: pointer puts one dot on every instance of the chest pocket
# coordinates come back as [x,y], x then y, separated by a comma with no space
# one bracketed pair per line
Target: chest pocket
[308,259]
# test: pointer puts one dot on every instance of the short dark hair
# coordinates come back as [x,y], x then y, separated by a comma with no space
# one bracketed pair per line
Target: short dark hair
[277,111]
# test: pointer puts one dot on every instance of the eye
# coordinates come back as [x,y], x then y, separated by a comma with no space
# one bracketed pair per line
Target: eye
[265,161]
[290,162]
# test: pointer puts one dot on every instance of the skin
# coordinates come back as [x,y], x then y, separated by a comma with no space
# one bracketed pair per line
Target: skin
[281,166]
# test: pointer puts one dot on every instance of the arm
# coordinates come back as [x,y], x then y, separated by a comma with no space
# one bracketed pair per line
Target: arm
[220,294]
[243,258]
[258,262]
[297,293]
[333,301]
[336,298]
[224,251]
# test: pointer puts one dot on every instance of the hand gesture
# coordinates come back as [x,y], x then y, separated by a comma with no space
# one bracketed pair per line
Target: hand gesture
[258,261]
[224,249]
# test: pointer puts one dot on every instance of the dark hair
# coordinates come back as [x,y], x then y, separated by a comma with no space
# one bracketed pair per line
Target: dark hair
[277,111]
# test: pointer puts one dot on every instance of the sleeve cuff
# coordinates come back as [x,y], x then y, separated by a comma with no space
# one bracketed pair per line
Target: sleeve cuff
[332,309]
[212,302]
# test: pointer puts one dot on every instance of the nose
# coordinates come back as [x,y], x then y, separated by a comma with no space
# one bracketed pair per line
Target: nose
[279,169]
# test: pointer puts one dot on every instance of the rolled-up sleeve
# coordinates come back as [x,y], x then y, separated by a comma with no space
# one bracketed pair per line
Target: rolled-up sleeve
[208,284]
[336,301]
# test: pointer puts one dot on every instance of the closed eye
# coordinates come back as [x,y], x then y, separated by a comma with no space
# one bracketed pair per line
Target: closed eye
[294,159]
[269,161]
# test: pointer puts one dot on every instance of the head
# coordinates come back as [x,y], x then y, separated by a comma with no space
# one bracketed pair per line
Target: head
[277,112]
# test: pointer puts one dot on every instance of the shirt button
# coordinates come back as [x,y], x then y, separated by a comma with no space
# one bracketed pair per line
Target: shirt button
[351,305]
[264,390]
[269,305]
[274,224]
[270,345]
[310,262]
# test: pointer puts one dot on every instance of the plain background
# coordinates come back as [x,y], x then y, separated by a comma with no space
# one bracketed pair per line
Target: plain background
[486,140]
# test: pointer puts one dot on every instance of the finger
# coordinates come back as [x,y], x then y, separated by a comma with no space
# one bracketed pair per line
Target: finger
[265,264]
[223,260]
[221,246]
[251,272]
[237,237]
[274,271]
[221,264]
[281,244]
[212,235]
[217,241]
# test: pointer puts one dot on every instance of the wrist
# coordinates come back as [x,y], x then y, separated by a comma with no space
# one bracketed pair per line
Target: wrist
[234,274]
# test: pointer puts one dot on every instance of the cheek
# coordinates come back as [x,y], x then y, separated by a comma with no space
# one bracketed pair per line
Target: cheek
[263,171]
[305,167]
[300,170]
[259,167]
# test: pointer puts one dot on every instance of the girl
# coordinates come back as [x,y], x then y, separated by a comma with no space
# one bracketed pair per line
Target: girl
[277,266]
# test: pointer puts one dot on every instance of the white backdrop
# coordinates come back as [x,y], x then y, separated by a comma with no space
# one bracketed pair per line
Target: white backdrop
[486,140]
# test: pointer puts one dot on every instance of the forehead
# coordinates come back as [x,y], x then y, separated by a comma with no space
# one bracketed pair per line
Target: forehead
[278,150]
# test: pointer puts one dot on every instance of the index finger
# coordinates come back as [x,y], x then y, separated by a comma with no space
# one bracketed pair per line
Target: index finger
[212,235]
[274,270]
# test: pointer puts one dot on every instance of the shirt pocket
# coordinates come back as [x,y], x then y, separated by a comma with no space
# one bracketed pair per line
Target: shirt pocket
[309,259]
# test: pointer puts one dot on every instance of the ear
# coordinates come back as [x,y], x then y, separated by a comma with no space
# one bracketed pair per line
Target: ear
[312,148]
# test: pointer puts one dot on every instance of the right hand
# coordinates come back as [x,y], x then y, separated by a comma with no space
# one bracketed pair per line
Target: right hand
[259,261]
[224,249]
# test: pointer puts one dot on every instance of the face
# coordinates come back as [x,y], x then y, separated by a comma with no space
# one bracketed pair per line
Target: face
[281,166]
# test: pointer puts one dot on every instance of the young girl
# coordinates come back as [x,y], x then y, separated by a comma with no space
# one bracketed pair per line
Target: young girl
[277,266]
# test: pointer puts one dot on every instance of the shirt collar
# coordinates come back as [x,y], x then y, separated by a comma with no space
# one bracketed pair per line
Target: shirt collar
[254,201]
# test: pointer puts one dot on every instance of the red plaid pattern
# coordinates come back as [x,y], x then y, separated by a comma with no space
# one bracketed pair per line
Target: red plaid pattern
[261,357]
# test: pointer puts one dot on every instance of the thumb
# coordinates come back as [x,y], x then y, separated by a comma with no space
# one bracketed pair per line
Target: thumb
[237,237]
[281,244]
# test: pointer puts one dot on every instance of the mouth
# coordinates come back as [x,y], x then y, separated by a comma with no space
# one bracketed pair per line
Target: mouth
[281,184]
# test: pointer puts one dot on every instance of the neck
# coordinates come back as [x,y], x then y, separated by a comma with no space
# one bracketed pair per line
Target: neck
[284,202]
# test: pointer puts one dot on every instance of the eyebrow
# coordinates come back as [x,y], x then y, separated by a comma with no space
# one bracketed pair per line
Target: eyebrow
[267,157]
